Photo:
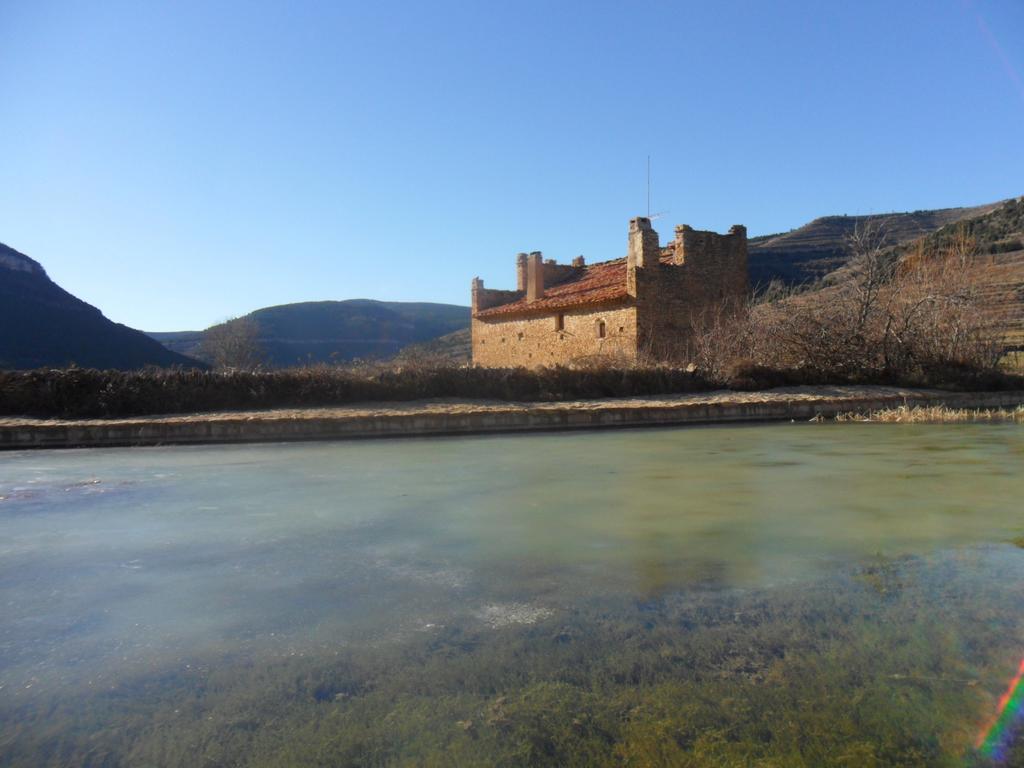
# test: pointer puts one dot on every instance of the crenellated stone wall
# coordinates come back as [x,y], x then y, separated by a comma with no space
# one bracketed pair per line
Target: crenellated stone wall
[702,275]
[718,262]
[485,298]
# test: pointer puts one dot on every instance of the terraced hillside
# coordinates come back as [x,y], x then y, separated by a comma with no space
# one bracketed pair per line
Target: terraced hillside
[999,238]
[818,248]
[996,237]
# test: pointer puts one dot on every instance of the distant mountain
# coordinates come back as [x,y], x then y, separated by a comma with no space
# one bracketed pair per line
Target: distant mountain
[182,342]
[337,331]
[813,250]
[42,325]
[455,348]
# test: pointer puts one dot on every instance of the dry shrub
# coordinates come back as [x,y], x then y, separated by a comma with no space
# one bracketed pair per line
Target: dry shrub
[935,320]
[916,320]
[78,393]
[721,341]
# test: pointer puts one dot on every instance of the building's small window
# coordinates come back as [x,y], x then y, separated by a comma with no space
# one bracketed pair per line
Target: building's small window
[622,329]
[520,335]
[601,331]
[502,339]
[559,322]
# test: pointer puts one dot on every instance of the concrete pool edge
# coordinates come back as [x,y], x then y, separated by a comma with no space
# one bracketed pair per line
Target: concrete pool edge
[425,418]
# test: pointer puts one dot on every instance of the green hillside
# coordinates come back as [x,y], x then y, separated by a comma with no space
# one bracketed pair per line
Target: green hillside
[338,331]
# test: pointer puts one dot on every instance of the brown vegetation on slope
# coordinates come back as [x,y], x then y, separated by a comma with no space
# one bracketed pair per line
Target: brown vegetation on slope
[808,253]
[998,267]
[454,348]
[915,316]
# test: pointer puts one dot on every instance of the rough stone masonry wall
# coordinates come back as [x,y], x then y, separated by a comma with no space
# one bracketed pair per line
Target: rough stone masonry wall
[719,262]
[708,276]
[485,298]
[534,341]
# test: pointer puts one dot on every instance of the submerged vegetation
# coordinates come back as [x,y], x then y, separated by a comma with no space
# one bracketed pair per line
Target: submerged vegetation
[647,598]
[899,662]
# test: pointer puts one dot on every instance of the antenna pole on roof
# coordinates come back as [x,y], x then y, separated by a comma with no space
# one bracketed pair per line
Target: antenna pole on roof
[648,186]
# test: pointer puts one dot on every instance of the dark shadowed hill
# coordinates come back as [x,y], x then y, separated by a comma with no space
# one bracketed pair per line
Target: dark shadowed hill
[337,331]
[42,325]
[817,248]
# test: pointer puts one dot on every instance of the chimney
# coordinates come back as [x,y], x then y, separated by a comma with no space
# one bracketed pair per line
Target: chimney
[534,277]
[579,262]
[477,287]
[521,271]
[644,249]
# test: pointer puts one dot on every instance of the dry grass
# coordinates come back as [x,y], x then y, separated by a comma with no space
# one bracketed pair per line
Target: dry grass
[1013,362]
[935,414]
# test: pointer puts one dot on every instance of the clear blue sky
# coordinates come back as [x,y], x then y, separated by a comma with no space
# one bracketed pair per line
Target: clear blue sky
[175,163]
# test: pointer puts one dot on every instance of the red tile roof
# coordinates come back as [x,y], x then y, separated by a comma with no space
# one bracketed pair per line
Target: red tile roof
[593,284]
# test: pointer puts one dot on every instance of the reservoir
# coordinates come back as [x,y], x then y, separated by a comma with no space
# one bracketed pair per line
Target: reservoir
[808,595]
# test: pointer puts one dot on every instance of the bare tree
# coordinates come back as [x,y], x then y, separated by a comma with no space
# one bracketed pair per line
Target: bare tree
[235,343]
[935,315]
[871,267]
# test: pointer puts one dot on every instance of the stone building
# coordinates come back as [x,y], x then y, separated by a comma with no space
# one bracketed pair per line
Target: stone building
[643,306]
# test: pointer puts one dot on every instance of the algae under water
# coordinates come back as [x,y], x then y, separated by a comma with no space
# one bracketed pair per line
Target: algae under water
[808,595]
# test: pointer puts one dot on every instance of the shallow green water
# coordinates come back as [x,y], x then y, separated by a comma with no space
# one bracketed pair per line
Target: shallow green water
[786,595]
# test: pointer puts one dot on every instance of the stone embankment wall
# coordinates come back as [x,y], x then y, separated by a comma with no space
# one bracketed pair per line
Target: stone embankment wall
[426,418]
